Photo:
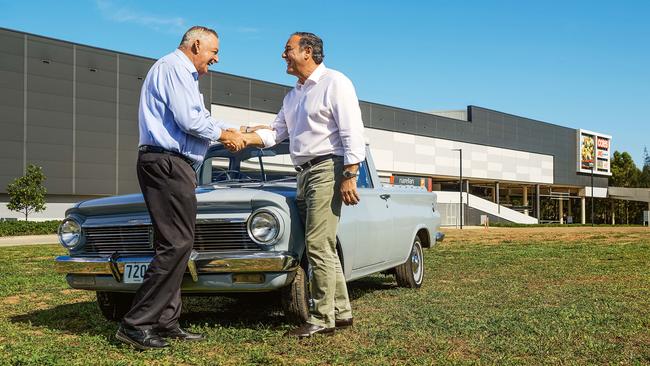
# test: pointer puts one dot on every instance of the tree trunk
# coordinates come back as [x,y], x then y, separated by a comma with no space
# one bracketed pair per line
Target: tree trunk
[613,212]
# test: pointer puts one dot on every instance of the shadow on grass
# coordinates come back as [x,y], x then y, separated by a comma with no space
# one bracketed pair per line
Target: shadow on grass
[243,311]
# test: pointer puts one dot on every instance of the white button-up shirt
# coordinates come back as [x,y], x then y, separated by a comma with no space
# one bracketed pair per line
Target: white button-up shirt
[320,117]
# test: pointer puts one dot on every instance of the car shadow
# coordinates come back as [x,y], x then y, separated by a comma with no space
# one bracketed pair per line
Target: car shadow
[249,311]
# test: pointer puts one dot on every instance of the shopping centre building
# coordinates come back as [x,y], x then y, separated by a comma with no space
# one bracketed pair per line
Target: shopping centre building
[72,109]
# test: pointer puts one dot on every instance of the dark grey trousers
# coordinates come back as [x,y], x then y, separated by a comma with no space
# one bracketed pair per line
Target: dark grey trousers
[167,183]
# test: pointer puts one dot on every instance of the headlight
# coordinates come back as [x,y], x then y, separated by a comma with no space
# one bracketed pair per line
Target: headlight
[69,233]
[264,227]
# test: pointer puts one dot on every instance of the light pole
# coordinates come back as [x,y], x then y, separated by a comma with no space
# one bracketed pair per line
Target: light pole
[591,165]
[460,186]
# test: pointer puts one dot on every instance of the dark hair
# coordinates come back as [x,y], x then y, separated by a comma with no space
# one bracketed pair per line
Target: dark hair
[311,40]
[195,32]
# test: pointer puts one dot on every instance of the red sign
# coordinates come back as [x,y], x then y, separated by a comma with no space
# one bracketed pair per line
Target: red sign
[603,143]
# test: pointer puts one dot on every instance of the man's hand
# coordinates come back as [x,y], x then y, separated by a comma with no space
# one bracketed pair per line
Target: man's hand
[349,191]
[232,139]
[248,129]
[349,186]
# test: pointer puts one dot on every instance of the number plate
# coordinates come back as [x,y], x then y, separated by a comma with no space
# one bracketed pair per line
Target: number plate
[134,272]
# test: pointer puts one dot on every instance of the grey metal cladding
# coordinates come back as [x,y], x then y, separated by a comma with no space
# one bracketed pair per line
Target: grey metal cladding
[96,131]
[92,58]
[45,118]
[230,90]
[365,113]
[265,97]
[48,102]
[12,42]
[405,121]
[426,124]
[56,52]
[98,93]
[11,98]
[12,62]
[94,107]
[383,117]
[48,85]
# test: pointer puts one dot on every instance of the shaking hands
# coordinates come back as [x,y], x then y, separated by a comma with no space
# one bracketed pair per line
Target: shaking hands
[232,139]
[236,140]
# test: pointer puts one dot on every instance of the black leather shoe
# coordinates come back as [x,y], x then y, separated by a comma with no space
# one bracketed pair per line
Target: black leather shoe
[141,339]
[181,334]
[307,330]
[343,323]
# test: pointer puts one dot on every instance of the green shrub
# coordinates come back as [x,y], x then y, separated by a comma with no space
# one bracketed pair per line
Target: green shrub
[14,228]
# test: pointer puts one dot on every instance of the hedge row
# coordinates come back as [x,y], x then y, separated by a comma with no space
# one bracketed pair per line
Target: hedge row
[14,228]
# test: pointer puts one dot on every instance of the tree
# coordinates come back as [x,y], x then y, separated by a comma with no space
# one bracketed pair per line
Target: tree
[27,193]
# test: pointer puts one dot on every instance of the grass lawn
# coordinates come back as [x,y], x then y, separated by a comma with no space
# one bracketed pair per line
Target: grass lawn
[497,296]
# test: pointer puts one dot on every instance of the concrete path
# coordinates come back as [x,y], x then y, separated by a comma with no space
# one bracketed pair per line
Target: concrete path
[8,241]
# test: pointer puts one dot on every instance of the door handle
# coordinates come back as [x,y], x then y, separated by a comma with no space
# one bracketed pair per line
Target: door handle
[384,196]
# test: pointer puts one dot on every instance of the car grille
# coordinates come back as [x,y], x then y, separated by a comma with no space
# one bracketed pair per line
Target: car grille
[208,237]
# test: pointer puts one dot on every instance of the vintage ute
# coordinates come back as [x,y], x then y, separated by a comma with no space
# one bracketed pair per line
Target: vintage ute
[249,236]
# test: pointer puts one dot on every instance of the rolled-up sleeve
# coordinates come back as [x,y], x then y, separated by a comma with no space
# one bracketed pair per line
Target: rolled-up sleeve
[179,91]
[347,115]
[277,133]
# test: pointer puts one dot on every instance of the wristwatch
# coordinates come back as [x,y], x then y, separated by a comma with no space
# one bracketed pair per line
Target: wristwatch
[349,174]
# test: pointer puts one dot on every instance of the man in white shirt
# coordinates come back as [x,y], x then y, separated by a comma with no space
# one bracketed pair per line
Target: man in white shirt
[322,119]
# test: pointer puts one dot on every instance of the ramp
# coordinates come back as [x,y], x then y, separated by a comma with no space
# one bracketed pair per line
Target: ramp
[450,215]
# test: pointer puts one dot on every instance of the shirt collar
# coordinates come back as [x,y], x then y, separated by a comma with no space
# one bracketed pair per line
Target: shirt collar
[187,63]
[315,76]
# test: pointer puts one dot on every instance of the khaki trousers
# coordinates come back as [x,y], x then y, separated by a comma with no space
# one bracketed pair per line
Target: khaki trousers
[319,202]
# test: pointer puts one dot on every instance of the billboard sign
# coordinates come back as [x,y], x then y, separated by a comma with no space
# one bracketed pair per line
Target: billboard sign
[594,150]
[405,180]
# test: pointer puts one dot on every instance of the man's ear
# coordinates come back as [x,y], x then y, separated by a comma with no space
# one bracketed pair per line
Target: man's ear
[308,52]
[196,46]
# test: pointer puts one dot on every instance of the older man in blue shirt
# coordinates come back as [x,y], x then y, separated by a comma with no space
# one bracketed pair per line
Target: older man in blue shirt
[175,131]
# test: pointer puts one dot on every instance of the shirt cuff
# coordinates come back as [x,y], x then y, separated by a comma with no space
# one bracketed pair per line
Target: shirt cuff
[267,136]
[353,158]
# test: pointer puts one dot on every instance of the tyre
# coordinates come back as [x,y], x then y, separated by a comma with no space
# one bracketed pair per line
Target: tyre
[296,297]
[114,305]
[411,273]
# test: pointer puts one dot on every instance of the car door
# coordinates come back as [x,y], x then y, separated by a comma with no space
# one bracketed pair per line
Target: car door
[372,222]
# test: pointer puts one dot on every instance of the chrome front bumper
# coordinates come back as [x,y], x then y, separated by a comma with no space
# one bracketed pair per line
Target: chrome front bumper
[206,272]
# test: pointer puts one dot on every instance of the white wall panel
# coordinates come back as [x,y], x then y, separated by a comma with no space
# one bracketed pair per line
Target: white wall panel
[400,153]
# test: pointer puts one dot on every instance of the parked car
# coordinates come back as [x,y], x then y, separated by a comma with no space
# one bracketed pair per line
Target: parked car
[249,236]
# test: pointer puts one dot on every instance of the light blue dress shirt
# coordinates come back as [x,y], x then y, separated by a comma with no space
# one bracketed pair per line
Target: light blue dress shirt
[172,113]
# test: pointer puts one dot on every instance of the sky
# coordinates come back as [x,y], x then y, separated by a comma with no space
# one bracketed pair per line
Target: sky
[579,64]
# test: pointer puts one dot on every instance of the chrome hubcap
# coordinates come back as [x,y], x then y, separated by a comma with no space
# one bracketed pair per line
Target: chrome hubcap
[416,262]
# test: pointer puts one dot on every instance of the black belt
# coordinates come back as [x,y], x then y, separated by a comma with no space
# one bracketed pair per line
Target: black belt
[314,161]
[160,150]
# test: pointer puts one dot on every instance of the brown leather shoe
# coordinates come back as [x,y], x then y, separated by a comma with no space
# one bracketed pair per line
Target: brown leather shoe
[307,330]
[343,323]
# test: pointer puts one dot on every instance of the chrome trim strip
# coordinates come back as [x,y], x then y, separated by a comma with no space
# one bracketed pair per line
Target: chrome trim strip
[215,262]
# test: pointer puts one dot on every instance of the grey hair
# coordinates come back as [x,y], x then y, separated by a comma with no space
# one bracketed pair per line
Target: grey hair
[314,42]
[194,33]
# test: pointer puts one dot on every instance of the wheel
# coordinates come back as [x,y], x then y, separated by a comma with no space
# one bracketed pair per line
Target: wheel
[296,298]
[114,305]
[411,273]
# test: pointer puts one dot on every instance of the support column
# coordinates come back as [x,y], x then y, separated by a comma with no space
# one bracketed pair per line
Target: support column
[496,193]
[525,199]
[583,208]
[538,210]
[561,211]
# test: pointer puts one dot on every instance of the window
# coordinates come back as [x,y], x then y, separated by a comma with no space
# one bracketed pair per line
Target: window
[363,180]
